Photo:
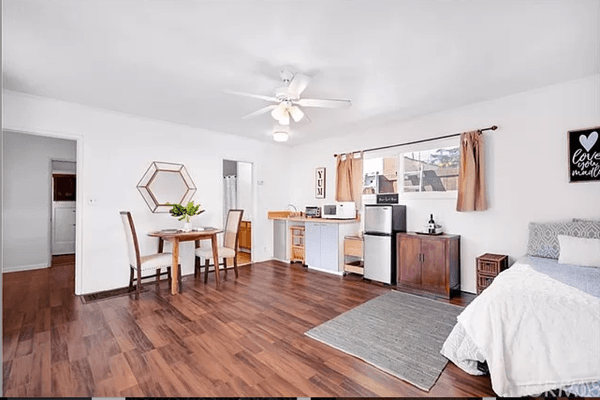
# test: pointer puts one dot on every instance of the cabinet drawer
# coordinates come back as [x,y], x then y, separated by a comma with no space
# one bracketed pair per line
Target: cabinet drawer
[484,281]
[488,267]
[353,248]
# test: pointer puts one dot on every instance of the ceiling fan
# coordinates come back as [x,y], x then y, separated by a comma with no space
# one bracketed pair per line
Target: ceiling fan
[288,99]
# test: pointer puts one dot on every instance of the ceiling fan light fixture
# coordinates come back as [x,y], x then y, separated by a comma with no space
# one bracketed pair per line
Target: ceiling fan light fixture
[285,119]
[297,113]
[281,136]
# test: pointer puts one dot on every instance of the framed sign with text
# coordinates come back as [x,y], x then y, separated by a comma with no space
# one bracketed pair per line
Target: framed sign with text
[320,183]
[584,155]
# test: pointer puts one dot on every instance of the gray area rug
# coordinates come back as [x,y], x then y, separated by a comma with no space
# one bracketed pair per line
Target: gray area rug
[399,333]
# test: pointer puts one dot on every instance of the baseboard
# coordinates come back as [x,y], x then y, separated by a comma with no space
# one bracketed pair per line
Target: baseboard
[340,273]
[20,268]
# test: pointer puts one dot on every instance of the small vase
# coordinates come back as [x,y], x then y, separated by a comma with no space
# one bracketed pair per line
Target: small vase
[187,227]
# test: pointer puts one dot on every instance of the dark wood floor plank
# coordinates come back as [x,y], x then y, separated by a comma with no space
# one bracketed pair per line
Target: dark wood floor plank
[244,338]
[41,382]
[122,376]
[62,380]
[82,378]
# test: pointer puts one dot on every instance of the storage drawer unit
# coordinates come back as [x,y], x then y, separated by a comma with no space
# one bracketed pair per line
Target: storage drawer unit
[488,267]
[353,255]
[297,244]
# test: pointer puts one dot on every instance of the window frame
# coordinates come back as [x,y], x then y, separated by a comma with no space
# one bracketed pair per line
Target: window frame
[387,154]
[438,144]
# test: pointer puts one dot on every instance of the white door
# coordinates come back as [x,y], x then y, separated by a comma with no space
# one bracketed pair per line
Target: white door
[63,227]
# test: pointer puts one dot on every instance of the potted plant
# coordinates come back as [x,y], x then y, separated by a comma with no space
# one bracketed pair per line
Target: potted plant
[185,213]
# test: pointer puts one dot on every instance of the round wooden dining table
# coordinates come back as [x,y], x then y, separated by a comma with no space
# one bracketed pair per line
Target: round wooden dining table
[176,236]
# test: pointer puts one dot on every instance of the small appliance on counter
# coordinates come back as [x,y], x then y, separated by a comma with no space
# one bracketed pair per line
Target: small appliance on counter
[382,222]
[341,210]
[431,228]
[312,212]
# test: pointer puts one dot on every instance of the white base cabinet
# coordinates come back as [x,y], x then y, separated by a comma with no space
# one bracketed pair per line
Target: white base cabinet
[321,246]
[323,242]
[324,245]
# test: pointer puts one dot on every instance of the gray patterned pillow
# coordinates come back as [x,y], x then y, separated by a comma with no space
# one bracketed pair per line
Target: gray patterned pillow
[543,237]
[585,220]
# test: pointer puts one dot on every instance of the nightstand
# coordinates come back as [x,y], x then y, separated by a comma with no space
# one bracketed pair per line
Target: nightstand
[488,267]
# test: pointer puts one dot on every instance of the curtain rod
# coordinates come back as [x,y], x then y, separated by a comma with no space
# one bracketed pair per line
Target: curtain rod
[491,128]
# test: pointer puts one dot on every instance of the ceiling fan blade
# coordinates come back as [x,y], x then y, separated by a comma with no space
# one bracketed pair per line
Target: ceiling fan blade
[296,113]
[259,112]
[325,103]
[297,85]
[256,96]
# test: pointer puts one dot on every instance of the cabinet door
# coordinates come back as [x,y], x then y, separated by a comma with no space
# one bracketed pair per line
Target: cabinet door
[242,235]
[409,263]
[279,240]
[433,268]
[249,235]
[329,247]
[312,245]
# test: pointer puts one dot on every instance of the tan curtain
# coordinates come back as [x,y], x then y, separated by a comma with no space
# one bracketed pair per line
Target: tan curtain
[471,175]
[348,178]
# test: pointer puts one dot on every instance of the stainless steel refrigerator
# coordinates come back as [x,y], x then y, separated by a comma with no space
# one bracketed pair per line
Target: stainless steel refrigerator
[382,222]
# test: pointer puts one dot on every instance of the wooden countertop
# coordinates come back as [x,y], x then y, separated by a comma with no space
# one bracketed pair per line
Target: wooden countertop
[316,220]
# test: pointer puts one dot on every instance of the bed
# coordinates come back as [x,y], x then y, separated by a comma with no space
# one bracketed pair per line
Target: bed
[536,328]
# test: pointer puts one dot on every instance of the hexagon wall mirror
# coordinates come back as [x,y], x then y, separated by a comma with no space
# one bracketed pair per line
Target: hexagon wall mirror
[165,183]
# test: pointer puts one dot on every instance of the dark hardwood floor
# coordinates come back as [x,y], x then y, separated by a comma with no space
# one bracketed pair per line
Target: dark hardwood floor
[245,338]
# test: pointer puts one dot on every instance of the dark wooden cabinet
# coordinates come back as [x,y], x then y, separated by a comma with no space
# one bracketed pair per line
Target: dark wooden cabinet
[430,263]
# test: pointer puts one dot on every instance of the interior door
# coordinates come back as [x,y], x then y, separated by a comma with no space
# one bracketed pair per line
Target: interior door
[433,268]
[63,227]
[409,261]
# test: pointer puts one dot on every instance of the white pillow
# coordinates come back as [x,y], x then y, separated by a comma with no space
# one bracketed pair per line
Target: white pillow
[579,251]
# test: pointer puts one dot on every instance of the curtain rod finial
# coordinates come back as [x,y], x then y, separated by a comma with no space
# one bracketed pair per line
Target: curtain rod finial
[494,127]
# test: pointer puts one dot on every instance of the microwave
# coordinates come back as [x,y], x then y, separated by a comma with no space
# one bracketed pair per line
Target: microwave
[342,210]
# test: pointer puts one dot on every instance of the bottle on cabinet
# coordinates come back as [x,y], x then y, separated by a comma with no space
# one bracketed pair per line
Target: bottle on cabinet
[431,224]
[431,228]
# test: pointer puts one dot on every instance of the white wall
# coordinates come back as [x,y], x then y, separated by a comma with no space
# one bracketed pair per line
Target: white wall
[117,150]
[526,161]
[26,173]
[244,189]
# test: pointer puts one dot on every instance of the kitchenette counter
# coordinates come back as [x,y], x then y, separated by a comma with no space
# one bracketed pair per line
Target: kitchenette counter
[318,220]
[323,239]
[293,217]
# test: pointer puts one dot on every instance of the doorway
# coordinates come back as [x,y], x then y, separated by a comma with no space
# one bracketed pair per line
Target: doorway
[39,167]
[64,213]
[238,194]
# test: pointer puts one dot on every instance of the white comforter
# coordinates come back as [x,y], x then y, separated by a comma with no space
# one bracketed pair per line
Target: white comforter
[536,333]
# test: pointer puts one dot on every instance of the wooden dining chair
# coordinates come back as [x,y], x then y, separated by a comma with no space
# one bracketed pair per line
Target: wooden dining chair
[140,264]
[229,249]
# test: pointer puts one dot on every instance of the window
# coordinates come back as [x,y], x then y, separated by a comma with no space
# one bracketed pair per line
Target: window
[434,170]
[380,175]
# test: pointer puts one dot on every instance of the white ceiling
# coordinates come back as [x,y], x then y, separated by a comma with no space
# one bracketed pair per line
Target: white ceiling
[170,60]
